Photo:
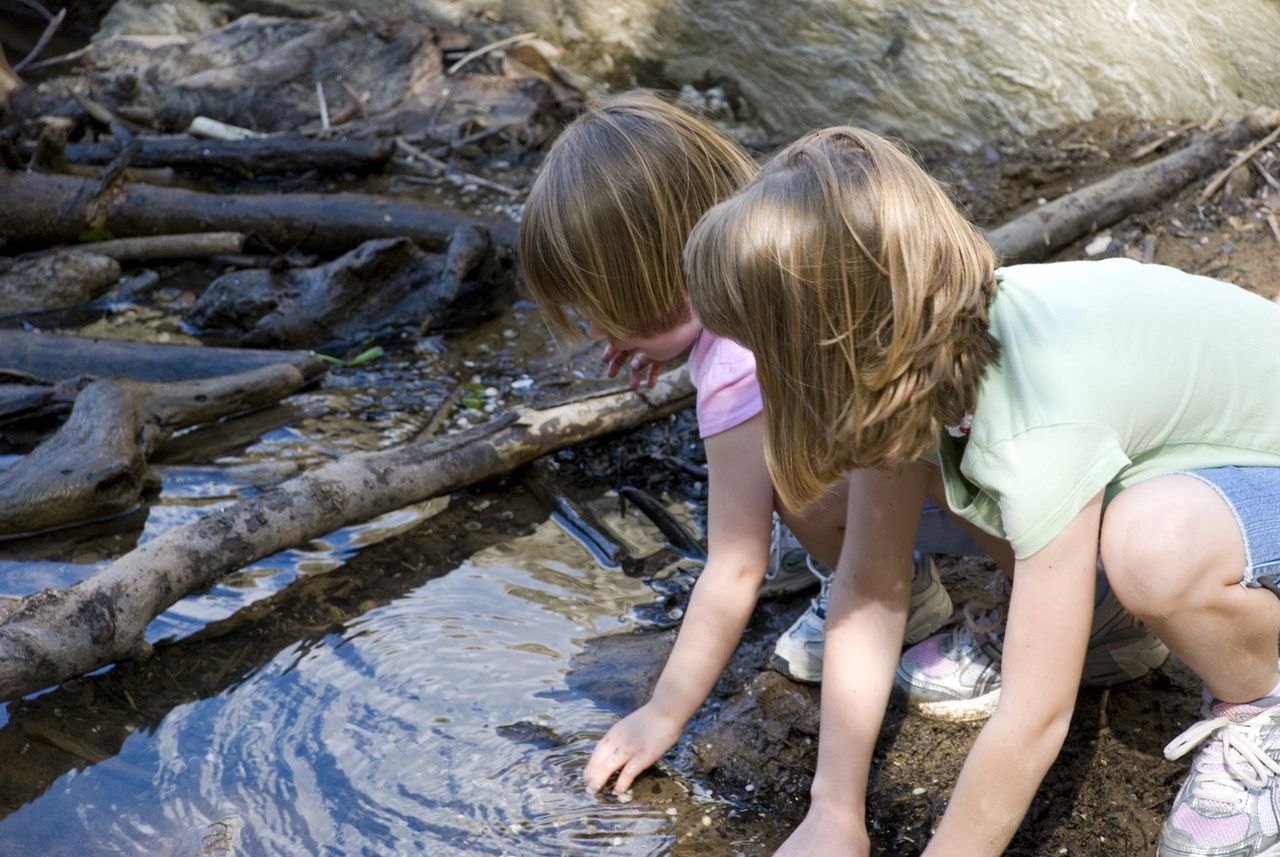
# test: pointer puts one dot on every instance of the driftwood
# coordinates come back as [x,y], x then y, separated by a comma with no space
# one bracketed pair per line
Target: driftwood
[378,284]
[51,280]
[197,245]
[1050,227]
[263,156]
[40,210]
[93,467]
[53,358]
[56,634]
[264,73]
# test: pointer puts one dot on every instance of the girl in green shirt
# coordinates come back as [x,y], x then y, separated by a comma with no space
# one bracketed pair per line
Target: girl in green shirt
[1084,411]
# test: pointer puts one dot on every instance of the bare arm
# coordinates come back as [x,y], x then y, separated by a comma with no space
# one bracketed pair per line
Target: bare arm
[739,510]
[1045,641]
[866,618]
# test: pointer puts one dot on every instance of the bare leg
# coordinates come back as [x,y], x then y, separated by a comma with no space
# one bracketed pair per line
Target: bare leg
[820,525]
[1174,556]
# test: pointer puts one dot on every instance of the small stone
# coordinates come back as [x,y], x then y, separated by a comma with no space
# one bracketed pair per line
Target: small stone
[1098,245]
[706,821]
[918,790]
[671,810]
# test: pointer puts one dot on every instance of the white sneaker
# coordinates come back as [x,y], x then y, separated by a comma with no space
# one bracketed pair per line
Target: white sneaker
[798,652]
[789,566]
[1229,805]
[955,675]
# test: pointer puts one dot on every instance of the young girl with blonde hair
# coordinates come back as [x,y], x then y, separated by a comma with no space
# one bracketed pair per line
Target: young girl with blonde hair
[1082,410]
[601,238]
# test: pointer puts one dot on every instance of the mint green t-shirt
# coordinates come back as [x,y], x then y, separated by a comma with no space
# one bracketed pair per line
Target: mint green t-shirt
[1111,372]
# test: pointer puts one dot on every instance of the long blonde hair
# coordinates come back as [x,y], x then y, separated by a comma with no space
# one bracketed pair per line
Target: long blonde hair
[863,292]
[608,215]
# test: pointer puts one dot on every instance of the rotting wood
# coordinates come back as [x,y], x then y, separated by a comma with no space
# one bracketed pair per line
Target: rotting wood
[57,634]
[94,466]
[54,357]
[1050,227]
[45,209]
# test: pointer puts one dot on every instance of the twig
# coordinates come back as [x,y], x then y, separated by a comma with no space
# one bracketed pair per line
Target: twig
[44,41]
[1169,137]
[356,105]
[1221,178]
[1275,226]
[426,157]
[38,9]
[324,108]
[1214,121]
[1266,175]
[492,46]
[452,173]
[95,110]
[71,57]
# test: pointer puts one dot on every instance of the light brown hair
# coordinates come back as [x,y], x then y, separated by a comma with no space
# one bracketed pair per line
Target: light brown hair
[608,215]
[863,292]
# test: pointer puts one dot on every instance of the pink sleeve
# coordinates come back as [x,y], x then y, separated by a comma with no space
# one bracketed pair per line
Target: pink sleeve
[724,374]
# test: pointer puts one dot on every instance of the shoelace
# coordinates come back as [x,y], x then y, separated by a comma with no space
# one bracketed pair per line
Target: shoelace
[1230,764]
[982,617]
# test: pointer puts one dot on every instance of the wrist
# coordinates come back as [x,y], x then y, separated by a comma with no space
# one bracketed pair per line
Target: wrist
[837,801]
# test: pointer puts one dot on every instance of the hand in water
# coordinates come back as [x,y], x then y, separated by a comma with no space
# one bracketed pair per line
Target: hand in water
[641,367]
[634,743]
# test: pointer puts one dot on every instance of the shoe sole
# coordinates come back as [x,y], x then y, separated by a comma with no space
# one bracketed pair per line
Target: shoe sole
[956,710]
[781,665]
[1132,664]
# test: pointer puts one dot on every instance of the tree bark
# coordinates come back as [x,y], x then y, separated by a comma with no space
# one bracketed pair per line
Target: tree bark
[42,209]
[56,634]
[1040,232]
[94,465]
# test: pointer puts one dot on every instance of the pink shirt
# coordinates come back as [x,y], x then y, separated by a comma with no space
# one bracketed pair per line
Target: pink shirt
[724,374]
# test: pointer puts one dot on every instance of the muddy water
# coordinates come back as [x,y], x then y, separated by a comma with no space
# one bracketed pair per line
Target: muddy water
[397,687]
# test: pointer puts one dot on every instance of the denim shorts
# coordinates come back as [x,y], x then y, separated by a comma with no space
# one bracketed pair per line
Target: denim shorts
[1253,496]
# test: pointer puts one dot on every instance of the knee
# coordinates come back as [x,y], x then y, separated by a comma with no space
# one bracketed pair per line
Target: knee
[1145,552]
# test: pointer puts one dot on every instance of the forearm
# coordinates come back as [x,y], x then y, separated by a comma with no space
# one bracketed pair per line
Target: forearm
[864,642]
[996,786]
[718,611]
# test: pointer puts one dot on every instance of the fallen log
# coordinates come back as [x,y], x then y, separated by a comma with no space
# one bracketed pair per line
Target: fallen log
[1040,232]
[42,209]
[377,285]
[276,154]
[94,465]
[53,357]
[56,634]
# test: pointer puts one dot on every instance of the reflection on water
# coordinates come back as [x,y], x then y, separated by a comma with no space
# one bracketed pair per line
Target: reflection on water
[429,720]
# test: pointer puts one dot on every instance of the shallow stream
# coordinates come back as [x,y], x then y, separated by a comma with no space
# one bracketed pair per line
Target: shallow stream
[397,687]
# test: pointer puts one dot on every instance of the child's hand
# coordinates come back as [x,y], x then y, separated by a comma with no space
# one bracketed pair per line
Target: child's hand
[827,831]
[633,744]
[640,365]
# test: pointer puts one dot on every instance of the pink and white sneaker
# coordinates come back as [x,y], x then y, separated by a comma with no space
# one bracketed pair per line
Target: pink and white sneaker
[1229,805]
